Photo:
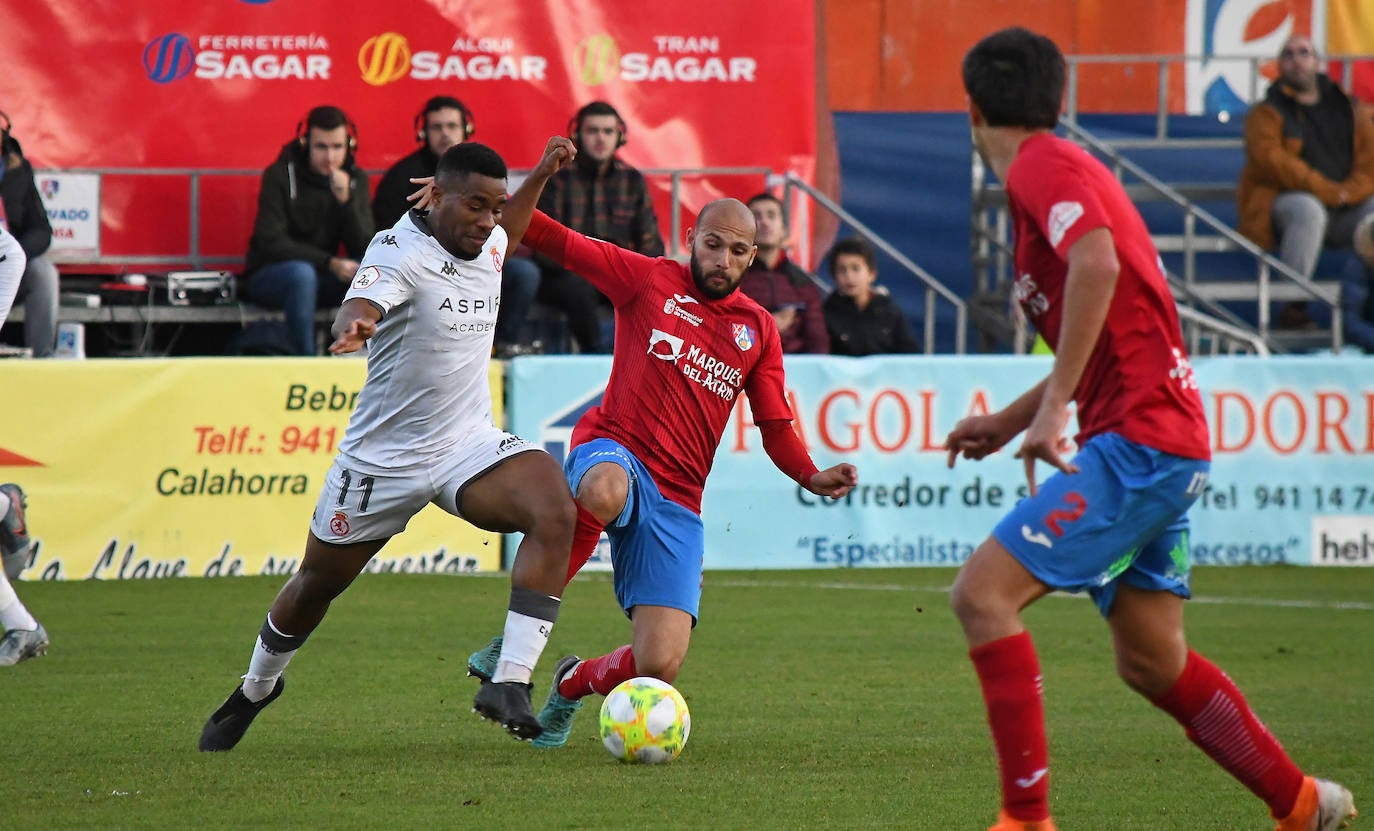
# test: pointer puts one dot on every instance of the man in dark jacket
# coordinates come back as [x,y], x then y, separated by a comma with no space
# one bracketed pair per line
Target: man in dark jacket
[603,197]
[442,123]
[313,202]
[23,214]
[780,286]
[861,318]
[1309,166]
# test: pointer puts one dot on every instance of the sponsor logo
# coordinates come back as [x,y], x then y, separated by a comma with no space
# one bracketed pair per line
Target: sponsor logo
[745,336]
[1183,371]
[267,57]
[338,525]
[388,57]
[1037,537]
[1029,781]
[599,59]
[496,258]
[1343,540]
[366,277]
[168,58]
[1029,296]
[664,346]
[1228,35]
[384,58]
[1062,217]
[389,239]
[720,377]
[448,270]
[509,443]
[49,187]
[671,307]
[683,298]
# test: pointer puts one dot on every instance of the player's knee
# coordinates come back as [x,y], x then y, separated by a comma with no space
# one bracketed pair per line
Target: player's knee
[664,667]
[554,520]
[603,490]
[1142,673]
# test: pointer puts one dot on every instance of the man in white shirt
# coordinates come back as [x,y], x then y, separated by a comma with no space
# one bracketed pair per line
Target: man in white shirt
[424,302]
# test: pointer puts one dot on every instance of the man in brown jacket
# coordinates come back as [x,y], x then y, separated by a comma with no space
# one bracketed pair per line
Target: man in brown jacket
[1309,166]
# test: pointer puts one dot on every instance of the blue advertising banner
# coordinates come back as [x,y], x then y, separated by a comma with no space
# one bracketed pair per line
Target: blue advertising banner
[1292,478]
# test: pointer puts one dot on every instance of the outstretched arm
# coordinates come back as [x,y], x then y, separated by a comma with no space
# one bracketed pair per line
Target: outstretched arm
[354,324]
[781,444]
[516,216]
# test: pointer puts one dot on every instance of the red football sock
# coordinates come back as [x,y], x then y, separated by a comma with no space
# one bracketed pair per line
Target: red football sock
[1010,675]
[1213,711]
[585,538]
[599,675]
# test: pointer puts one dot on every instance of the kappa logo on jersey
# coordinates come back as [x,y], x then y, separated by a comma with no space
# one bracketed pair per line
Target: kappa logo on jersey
[496,258]
[389,239]
[1062,217]
[745,336]
[338,525]
[366,277]
[448,270]
[664,346]
[672,306]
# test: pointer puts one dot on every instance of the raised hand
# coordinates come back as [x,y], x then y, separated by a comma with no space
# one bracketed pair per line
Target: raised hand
[834,482]
[353,338]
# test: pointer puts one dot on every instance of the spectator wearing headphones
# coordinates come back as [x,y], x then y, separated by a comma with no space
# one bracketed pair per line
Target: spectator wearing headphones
[312,204]
[603,197]
[23,215]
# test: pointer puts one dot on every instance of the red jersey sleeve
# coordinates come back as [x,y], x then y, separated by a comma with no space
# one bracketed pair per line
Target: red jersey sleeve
[617,273]
[1059,199]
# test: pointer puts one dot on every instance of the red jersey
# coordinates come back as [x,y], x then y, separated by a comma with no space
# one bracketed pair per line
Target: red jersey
[679,363]
[1138,382]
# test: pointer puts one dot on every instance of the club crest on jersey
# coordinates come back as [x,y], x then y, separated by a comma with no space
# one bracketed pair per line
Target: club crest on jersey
[496,258]
[745,336]
[339,524]
[366,277]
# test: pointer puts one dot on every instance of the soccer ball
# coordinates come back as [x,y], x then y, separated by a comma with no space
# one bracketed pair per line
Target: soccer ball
[645,720]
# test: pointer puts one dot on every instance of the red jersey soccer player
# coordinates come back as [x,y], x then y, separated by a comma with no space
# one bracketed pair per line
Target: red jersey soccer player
[687,345]
[1113,521]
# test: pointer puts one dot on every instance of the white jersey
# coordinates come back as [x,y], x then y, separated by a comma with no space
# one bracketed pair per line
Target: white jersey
[12,262]
[426,386]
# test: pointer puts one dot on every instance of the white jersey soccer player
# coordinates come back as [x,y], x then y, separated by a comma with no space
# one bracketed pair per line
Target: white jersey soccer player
[424,302]
[12,262]
[423,425]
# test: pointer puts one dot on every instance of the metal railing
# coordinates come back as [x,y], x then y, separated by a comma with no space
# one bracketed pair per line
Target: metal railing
[1162,63]
[992,255]
[933,288]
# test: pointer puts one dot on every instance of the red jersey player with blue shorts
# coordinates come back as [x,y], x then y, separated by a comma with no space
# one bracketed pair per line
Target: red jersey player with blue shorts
[687,345]
[1112,521]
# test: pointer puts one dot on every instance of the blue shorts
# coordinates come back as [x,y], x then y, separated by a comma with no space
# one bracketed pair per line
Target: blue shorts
[1122,517]
[657,545]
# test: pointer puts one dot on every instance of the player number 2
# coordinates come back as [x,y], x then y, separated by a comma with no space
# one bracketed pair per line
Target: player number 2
[365,483]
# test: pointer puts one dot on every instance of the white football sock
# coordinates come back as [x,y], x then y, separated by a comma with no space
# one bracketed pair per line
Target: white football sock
[13,615]
[523,643]
[271,654]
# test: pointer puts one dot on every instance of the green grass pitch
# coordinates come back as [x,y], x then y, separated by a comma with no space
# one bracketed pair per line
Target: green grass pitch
[820,699]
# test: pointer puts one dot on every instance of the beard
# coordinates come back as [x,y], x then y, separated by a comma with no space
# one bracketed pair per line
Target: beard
[699,279]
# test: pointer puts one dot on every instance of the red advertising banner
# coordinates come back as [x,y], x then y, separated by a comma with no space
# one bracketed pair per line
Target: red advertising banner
[222,84]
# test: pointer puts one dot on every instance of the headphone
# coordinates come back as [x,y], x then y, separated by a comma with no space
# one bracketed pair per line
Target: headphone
[597,108]
[444,102]
[303,131]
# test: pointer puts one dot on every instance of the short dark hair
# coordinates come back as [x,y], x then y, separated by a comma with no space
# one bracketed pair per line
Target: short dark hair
[853,246]
[470,157]
[326,117]
[765,196]
[1016,79]
[445,102]
[594,108]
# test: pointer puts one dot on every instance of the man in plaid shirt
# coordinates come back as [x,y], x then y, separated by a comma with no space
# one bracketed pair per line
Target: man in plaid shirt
[603,197]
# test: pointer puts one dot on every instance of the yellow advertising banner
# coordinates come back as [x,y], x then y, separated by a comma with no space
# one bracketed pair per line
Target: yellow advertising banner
[1350,27]
[195,467]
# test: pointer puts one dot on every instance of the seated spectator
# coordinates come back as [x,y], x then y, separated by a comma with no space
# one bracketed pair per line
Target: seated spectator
[600,196]
[1357,289]
[313,202]
[1309,167]
[862,318]
[780,286]
[442,123]
[23,214]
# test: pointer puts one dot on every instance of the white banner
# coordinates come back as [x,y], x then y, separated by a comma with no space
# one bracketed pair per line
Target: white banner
[73,204]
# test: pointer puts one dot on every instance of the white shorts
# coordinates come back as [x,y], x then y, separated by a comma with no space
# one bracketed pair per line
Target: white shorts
[358,507]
